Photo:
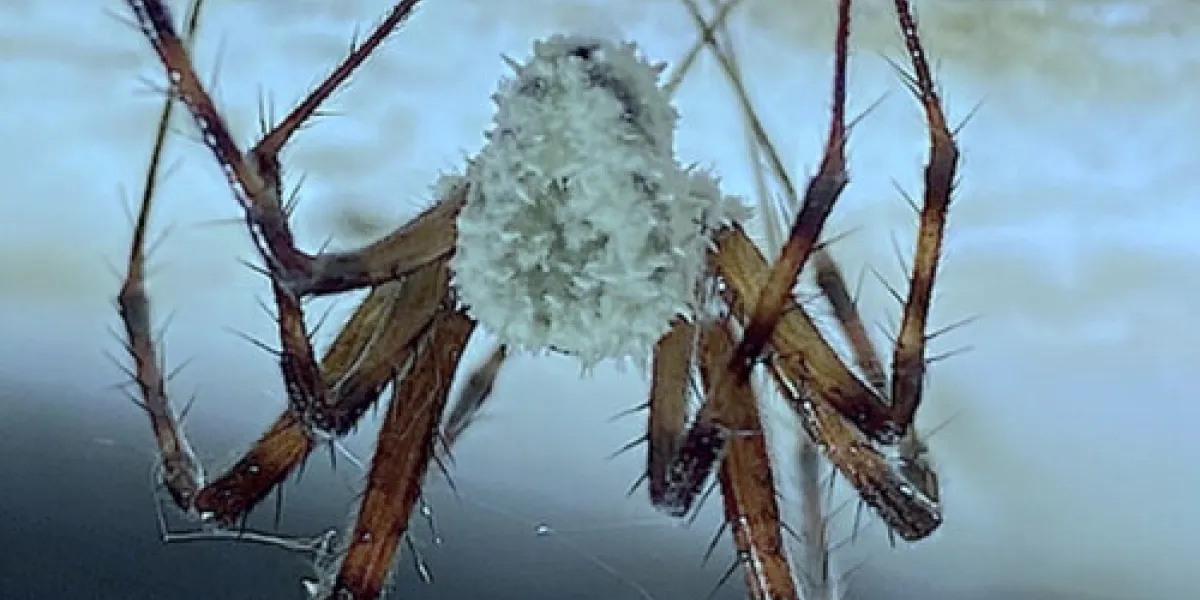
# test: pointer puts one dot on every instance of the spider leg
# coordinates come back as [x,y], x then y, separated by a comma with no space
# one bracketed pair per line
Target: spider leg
[835,289]
[681,457]
[701,448]
[255,177]
[747,485]
[378,339]
[823,191]
[744,472]
[828,376]
[181,471]
[795,337]
[903,489]
[475,392]
[670,389]
[908,362]
[256,181]
[803,352]
[374,344]
[881,482]
[706,437]
[274,141]
[402,457]
[912,459]
[804,355]
[427,237]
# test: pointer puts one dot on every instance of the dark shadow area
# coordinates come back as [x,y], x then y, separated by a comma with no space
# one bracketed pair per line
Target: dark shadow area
[80,524]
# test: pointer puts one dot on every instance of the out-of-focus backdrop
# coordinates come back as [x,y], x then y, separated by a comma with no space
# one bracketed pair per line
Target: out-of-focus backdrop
[1068,454]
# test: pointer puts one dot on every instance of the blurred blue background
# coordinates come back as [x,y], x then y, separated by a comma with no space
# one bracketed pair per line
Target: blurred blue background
[1068,457]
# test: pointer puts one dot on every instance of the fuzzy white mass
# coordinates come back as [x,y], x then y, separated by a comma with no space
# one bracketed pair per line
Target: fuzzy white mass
[581,233]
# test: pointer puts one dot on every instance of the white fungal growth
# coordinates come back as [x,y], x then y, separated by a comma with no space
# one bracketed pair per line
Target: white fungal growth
[581,233]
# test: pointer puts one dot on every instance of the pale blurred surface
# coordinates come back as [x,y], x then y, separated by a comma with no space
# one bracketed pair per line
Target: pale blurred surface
[1069,465]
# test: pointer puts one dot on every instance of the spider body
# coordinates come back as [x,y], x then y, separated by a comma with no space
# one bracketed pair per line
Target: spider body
[580,231]
[573,229]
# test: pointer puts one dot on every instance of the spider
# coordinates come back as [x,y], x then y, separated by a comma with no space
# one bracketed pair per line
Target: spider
[574,229]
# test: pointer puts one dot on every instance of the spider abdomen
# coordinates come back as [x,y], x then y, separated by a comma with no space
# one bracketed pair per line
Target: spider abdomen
[581,232]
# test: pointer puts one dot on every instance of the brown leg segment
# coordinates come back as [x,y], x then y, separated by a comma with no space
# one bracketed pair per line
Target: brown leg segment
[747,485]
[402,457]
[912,457]
[823,191]
[849,447]
[331,396]
[879,483]
[670,388]
[908,362]
[833,286]
[773,299]
[801,348]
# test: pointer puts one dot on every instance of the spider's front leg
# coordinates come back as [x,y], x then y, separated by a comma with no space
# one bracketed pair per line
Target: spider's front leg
[256,181]
[855,423]
[374,343]
[403,323]
[316,404]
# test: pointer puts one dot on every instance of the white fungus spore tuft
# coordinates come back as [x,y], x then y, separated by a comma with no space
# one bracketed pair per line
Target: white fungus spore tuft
[581,232]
